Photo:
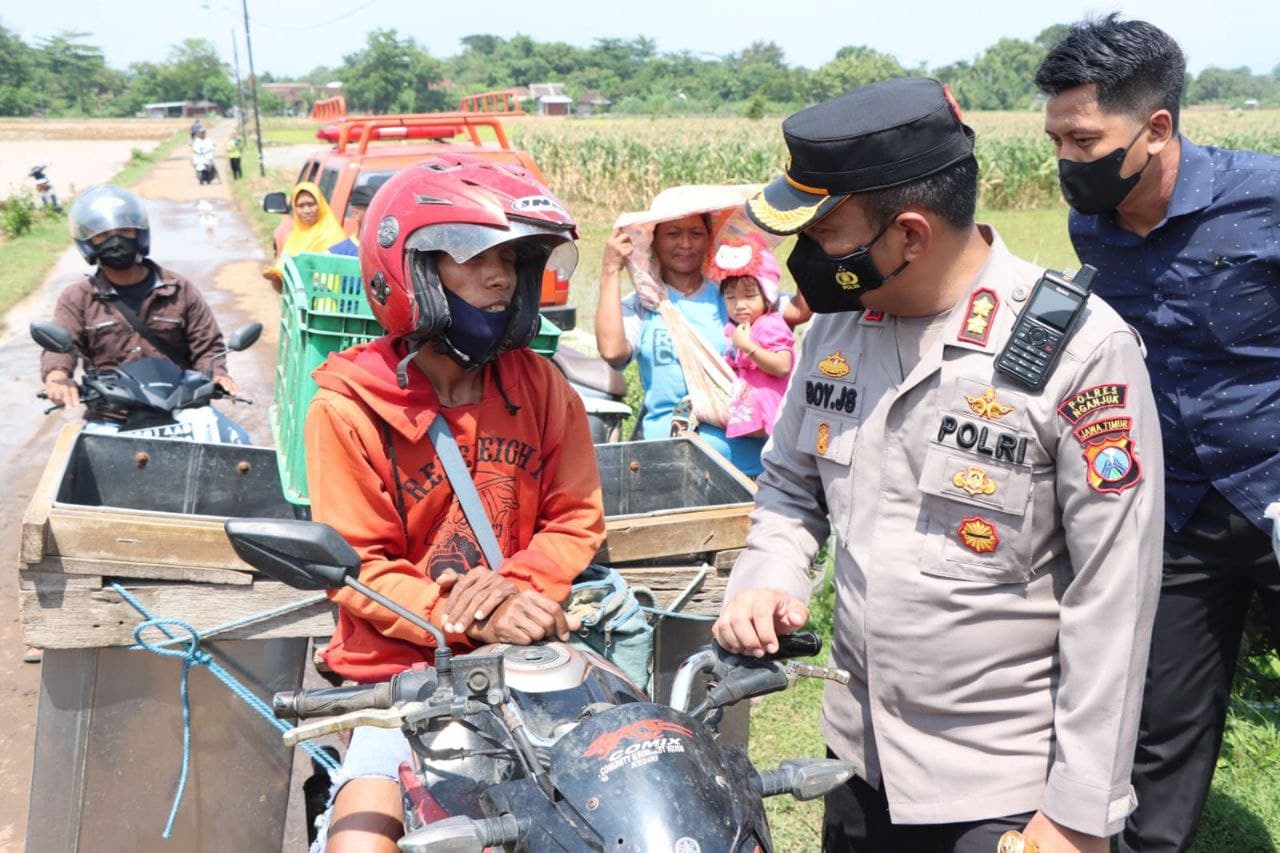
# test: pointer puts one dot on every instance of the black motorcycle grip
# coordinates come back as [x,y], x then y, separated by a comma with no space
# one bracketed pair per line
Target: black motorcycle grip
[498,831]
[802,644]
[330,701]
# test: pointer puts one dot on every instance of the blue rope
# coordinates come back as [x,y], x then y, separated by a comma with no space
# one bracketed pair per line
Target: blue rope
[249,620]
[191,656]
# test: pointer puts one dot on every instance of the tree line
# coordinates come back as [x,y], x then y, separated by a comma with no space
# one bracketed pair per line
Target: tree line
[67,75]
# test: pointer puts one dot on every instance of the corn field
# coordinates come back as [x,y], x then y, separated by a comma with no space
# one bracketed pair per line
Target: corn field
[620,164]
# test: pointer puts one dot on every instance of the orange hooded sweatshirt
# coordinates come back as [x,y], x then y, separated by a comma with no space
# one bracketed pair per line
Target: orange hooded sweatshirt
[534,470]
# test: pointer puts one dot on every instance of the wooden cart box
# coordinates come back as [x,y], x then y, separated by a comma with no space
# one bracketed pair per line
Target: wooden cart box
[148,513]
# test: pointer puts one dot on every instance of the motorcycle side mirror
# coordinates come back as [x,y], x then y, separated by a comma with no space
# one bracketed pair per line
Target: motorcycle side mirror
[303,554]
[244,337]
[52,337]
[275,203]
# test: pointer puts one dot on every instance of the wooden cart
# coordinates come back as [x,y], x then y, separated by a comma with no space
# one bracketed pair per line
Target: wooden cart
[148,514]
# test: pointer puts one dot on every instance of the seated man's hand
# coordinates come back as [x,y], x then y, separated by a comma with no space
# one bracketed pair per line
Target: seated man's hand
[226,383]
[472,597]
[1050,837]
[751,622]
[59,388]
[525,618]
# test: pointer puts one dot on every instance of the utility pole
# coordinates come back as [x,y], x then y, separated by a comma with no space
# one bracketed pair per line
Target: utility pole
[253,82]
[235,53]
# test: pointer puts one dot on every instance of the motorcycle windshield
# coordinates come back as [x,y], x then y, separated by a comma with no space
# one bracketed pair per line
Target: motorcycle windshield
[645,777]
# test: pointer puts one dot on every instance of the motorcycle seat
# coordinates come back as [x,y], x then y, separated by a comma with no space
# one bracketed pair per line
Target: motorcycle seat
[590,372]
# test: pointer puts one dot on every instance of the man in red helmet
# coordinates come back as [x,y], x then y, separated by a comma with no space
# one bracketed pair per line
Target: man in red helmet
[452,253]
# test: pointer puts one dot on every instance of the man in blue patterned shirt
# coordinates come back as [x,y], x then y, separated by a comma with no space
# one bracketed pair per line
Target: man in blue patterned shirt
[1187,242]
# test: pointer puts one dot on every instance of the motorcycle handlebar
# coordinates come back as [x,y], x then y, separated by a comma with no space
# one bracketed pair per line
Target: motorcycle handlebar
[331,701]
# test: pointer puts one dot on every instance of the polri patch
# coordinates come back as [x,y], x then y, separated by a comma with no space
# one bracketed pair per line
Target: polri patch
[978,535]
[983,439]
[978,317]
[1113,465]
[1076,407]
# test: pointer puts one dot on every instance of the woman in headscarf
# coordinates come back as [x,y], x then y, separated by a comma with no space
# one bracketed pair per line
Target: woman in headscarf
[633,326]
[315,228]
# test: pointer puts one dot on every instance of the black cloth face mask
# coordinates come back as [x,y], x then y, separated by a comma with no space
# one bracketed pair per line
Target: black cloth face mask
[119,252]
[1096,186]
[835,285]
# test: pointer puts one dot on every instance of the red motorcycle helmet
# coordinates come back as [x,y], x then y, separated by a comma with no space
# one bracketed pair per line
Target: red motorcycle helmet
[461,205]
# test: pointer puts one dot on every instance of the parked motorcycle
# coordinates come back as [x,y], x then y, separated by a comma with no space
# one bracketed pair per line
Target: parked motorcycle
[44,188]
[546,748]
[601,388]
[152,397]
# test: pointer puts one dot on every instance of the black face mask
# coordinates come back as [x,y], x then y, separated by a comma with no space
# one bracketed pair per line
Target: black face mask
[473,332]
[119,252]
[835,285]
[1096,186]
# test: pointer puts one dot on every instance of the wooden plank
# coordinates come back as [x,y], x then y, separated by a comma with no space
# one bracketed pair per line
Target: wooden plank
[148,571]
[59,613]
[657,535]
[35,518]
[132,537]
[724,560]
[668,582]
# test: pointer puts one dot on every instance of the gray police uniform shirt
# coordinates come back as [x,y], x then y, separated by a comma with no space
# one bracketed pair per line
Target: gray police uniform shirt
[998,555]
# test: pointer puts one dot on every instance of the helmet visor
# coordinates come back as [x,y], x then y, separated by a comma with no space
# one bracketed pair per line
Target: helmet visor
[462,242]
[105,208]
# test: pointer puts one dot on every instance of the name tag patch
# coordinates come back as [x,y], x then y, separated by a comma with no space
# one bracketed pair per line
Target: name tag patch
[980,438]
[831,396]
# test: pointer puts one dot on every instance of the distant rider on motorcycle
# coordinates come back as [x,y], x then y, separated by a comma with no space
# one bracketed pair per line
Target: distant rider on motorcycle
[452,254]
[110,228]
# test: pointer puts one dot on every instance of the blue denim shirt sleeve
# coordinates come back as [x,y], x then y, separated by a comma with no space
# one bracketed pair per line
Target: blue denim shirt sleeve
[1203,290]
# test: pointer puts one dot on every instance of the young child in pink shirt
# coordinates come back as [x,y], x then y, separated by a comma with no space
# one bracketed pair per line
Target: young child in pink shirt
[762,347]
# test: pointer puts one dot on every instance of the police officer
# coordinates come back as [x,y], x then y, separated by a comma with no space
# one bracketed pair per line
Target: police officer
[1185,239]
[997,556]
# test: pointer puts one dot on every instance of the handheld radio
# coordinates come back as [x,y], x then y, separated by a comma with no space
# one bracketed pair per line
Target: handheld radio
[1045,326]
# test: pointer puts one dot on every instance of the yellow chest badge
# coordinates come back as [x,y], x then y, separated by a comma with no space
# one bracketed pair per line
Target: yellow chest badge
[975,481]
[834,365]
[987,406]
[824,437]
[978,535]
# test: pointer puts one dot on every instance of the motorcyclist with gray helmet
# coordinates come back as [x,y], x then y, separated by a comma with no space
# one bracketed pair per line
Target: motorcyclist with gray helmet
[111,229]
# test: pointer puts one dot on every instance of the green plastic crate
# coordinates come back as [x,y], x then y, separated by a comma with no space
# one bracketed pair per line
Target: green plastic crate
[324,310]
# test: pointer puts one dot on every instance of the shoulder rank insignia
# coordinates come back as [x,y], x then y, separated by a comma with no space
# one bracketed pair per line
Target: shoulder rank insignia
[834,365]
[987,406]
[978,535]
[872,318]
[1112,463]
[975,481]
[978,317]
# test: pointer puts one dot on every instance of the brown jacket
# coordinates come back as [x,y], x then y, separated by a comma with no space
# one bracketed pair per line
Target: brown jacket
[175,312]
[998,556]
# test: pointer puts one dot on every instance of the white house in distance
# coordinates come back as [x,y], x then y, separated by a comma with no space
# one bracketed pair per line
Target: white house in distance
[550,99]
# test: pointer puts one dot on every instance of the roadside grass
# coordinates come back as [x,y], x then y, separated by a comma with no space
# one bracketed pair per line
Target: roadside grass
[29,257]
[248,192]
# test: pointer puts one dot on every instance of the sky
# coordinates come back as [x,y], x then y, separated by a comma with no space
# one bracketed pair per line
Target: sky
[290,37]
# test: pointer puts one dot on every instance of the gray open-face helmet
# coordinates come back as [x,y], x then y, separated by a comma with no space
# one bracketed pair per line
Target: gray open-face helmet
[103,208]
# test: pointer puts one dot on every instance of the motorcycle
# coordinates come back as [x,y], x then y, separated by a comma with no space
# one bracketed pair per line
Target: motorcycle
[44,188]
[542,748]
[206,169]
[152,397]
[601,388]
